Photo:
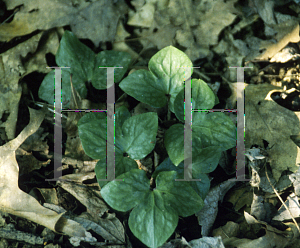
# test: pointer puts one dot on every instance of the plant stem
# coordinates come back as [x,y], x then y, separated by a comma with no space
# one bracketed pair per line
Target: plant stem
[169,111]
[152,183]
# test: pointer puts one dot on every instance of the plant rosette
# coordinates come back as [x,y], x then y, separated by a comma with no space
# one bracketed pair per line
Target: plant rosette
[155,210]
[164,83]
[157,206]
[85,66]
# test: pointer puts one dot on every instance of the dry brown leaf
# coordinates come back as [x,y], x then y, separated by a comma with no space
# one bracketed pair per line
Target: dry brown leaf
[231,229]
[194,25]
[88,197]
[120,44]
[286,32]
[16,64]
[9,103]
[293,205]
[267,120]
[12,199]
[207,215]
[143,17]
[17,202]
[213,20]
[27,162]
[110,228]
[273,237]
[95,20]
[240,197]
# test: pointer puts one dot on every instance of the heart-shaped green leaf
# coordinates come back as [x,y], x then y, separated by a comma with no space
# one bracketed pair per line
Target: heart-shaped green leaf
[174,143]
[208,130]
[164,80]
[178,194]
[143,86]
[46,90]
[206,160]
[215,129]
[84,66]
[80,58]
[155,214]
[122,165]
[203,98]
[92,133]
[152,221]
[109,59]
[121,115]
[139,135]
[125,195]
[201,187]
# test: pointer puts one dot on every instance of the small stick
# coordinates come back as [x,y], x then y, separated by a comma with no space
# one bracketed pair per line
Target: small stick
[281,200]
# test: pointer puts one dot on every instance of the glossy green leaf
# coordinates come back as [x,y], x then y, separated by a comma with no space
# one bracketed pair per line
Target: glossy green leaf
[203,98]
[85,64]
[171,67]
[136,138]
[152,221]
[208,129]
[144,87]
[166,165]
[155,214]
[206,160]
[125,195]
[164,80]
[199,117]
[179,109]
[216,129]
[122,165]
[92,133]
[74,54]
[121,115]
[174,143]
[139,135]
[109,59]
[201,187]
[178,194]
[46,90]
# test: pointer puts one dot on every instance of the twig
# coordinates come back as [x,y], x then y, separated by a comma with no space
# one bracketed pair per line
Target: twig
[282,200]
[10,16]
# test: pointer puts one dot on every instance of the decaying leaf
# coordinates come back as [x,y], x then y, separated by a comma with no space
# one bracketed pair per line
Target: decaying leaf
[206,216]
[96,20]
[268,121]
[286,32]
[15,64]
[17,202]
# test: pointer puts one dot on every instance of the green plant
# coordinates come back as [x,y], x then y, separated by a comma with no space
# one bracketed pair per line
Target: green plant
[156,206]
[84,66]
